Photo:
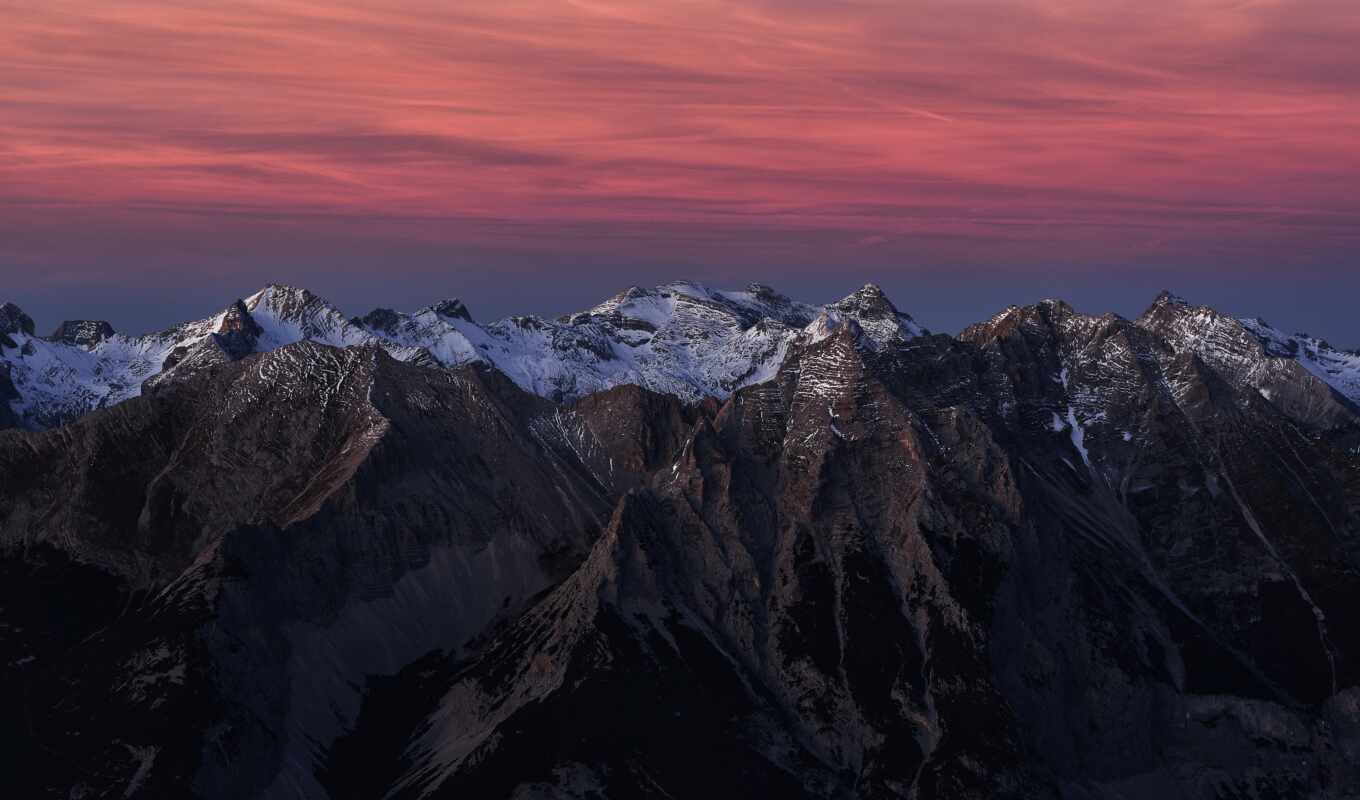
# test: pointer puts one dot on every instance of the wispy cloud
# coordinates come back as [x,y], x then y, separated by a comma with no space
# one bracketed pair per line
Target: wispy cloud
[1071,127]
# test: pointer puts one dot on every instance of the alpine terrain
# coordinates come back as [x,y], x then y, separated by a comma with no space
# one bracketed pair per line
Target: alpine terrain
[688,543]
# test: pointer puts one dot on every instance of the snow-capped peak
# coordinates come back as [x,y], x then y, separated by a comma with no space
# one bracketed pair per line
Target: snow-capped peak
[681,338]
[282,297]
[453,308]
[87,365]
[875,314]
[663,303]
[1251,353]
[1168,298]
[1339,369]
[288,314]
[869,299]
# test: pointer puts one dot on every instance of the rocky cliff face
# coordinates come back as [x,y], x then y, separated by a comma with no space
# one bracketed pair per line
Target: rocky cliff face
[1057,556]
[273,531]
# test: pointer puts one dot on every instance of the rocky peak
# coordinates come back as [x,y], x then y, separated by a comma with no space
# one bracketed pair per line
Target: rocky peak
[762,292]
[238,332]
[1042,318]
[1169,298]
[236,319]
[289,314]
[631,293]
[288,302]
[1293,373]
[1167,307]
[14,320]
[1175,317]
[453,308]
[995,327]
[1055,308]
[82,332]
[611,309]
[867,302]
[879,319]
[383,320]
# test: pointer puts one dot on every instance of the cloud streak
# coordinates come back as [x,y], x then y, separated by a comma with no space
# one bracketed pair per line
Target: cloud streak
[1011,132]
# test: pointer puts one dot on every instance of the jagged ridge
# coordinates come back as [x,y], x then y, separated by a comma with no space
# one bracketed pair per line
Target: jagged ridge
[681,338]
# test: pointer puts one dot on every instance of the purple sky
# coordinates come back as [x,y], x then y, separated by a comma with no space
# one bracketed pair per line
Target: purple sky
[158,159]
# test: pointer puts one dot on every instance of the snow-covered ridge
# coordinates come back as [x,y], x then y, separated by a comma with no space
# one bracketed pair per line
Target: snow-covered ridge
[59,378]
[1250,350]
[680,338]
[1339,369]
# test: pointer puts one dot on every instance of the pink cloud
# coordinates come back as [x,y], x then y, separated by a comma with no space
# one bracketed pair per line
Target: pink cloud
[1032,129]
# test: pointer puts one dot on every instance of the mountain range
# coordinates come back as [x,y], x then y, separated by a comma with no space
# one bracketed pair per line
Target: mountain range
[688,543]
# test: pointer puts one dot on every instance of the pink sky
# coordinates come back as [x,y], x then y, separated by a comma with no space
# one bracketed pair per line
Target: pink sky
[155,139]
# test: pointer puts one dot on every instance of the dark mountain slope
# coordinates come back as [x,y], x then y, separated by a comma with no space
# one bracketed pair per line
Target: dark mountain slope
[272,531]
[948,602]
[1057,556]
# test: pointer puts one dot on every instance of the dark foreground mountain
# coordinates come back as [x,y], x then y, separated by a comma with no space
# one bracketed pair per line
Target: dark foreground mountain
[1057,556]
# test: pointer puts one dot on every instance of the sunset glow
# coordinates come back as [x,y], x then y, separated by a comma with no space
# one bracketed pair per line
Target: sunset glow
[151,135]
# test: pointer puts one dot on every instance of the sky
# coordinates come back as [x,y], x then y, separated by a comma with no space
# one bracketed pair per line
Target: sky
[159,158]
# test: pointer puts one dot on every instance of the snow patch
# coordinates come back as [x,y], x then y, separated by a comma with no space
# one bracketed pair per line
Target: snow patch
[1078,436]
[1076,431]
